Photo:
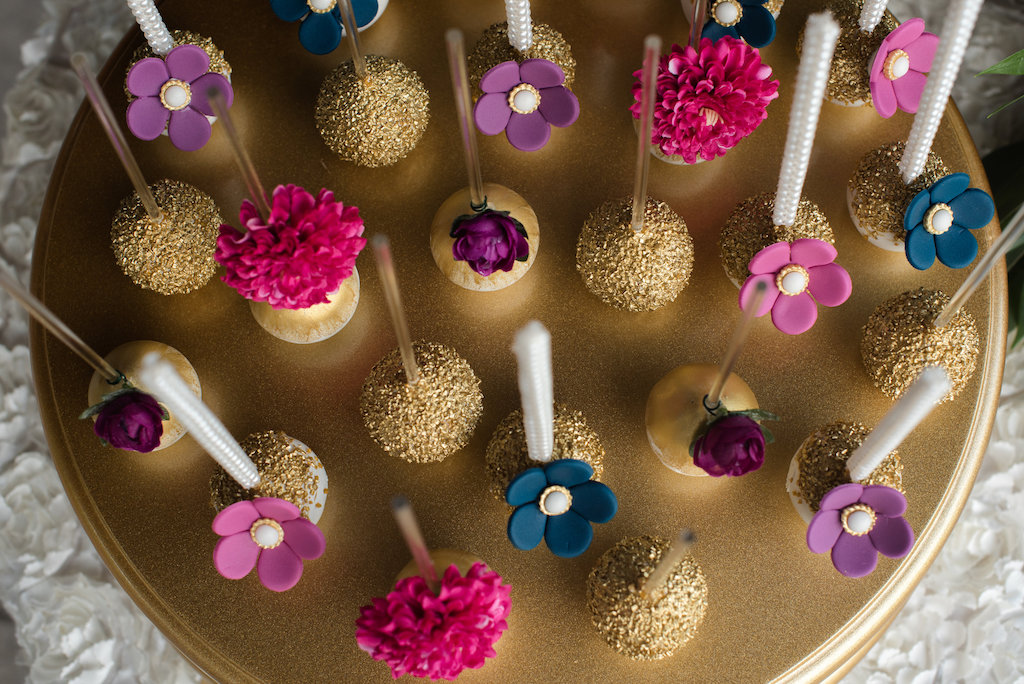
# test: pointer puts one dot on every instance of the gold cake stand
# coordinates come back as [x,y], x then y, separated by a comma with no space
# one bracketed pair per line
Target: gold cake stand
[777,611]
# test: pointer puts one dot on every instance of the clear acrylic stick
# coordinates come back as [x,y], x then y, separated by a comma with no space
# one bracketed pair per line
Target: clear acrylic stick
[393,298]
[348,19]
[732,353]
[655,583]
[252,181]
[464,108]
[406,519]
[648,81]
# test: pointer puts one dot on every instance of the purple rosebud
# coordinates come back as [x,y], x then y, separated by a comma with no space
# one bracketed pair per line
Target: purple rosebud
[489,241]
[733,445]
[132,421]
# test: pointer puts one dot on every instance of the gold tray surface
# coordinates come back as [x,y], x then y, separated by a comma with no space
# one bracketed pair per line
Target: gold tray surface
[777,611]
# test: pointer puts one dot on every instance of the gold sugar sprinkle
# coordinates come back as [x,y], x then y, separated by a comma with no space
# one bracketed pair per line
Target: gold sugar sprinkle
[427,421]
[373,121]
[774,6]
[638,271]
[823,455]
[877,194]
[217,62]
[176,255]
[287,471]
[493,48]
[900,339]
[749,229]
[639,627]
[507,454]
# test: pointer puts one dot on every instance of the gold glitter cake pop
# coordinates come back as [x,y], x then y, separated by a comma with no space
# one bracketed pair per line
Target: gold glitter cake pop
[288,470]
[494,47]
[641,626]
[218,64]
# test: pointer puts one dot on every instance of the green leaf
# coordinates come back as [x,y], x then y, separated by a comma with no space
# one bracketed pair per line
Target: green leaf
[769,438]
[1013,101]
[756,414]
[1012,65]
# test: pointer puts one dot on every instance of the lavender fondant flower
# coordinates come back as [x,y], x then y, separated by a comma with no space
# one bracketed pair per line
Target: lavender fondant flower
[489,241]
[897,73]
[939,221]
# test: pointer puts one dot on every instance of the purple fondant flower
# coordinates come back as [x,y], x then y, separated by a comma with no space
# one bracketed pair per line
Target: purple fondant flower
[733,445]
[171,94]
[128,419]
[525,100]
[897,73]
[856,523]
[489,241]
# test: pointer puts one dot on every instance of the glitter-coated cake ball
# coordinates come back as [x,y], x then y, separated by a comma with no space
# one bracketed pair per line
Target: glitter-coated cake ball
[749,229]
[493,48]
[217,62]
[900,339]
[427,421]
[507,453]
[637,626]
[635,270]
[376,121]
[173,256]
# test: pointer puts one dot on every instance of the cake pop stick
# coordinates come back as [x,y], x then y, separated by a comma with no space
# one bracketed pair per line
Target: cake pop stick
[871,13]
[393,299]
[520,25]
[532,347]
[152,24]
[348,20]
[654,586]
[240,153]
[463,109]
[406,520]
[698,17]
[732,353]
[652,51]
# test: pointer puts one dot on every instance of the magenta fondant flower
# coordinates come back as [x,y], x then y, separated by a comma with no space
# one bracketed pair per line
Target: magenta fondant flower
[708,99]
[733,445]
[856,523]
[489,241]
[797,275]
[525,100]
[128,419]
[897,74]
[423,635]
[298,256]
[268,534]
[171,94]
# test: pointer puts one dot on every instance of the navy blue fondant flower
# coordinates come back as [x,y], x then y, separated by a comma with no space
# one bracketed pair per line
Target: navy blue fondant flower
[557,502]
[749,20]
[939,221]
[321,31]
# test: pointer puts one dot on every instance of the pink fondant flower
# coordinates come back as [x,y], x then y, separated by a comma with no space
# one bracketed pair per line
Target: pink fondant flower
[796,274]
[171,94]
[268,534]
[297,257]
[897,74]
[708,99]
[423,635]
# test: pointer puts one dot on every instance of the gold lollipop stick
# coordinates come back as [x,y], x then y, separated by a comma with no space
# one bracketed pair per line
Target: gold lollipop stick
[348,19]
[406,519]
[106,116]
[386,270]
[655,583]
[464,108]
[252,181]
[714,396]
[652,52]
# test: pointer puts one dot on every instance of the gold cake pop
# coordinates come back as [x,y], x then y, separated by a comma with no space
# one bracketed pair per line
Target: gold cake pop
[494,47]
[218,64]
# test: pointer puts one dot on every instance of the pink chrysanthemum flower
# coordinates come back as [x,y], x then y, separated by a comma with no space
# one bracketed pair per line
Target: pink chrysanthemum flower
[297,257]
[418,633]
[708,99]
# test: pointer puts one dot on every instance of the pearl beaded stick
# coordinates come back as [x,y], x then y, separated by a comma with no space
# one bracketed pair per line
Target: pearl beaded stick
[532,347]
[654,586]
[732,353]
[520,25]
[252,181]
[152,25]
[406,519]
[956,31]
[164,382]
[649,78]
[871,13]
[393,298]
[820,37]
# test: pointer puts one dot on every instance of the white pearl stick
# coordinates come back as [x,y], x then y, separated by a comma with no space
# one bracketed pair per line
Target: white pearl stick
[532,347]
[956,31]
[820,37]
[152,25]
[520,25]
[914,404]
[160,378]
[871,13]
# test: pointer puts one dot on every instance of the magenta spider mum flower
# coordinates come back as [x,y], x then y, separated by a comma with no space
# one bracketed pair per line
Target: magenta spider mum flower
[797,275]
[298,256]
[897,74]
[708,99]
[525,100]
[856,523]
[423,635]
[268,534]
[171,96]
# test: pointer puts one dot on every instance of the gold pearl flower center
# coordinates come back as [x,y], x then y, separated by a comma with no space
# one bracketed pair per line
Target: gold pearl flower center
[266,533]
[321,6]
[175,94]
[524,99]
[858,519]
[727,12]
[938,219]
[897,64]
[792,280]
[555,500]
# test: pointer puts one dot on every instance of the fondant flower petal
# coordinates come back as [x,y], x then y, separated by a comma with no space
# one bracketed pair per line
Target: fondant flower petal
[919,246]
[568,472]
[568,535]
[528,132]
[810,252]
[916,210]
[541,73]
[714,31]
[235,556]
[526,526]
[188,129]
[595,501]
[147,118]
[823,531]
[854,556]
[909,88]
[501,78]
[829,284]
[187,62]
[289,10]
[770,259]
[892,537]
[365,11]
[904,34]
[201,88]
[278,509]
[883,97]
[305,538]
[238,517]
[794,314]
[147,77]
[320,33]
[842,496]
[922,52]
[492,113]
[279,569]
[559,106]
[757,26]
[948,187]
[957,247]
[973,209]
[885,501]
[771,293]
[526,487]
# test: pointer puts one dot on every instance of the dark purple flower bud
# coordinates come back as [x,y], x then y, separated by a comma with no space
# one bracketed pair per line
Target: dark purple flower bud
[489,241]
[733,445]
[132,420]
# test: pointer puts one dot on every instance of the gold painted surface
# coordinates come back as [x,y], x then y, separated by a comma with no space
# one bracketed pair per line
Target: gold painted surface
[775,609]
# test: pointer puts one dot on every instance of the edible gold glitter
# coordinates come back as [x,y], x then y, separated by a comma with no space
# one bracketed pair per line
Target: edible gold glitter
[822,459]
[493,48]
[176,255]
[774,6]
[287,471]
[427,421]
[749,229]
[373,121]
[900,339]
[217,62]
[507,454]
[638,271]
[639,627]
[877,194]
